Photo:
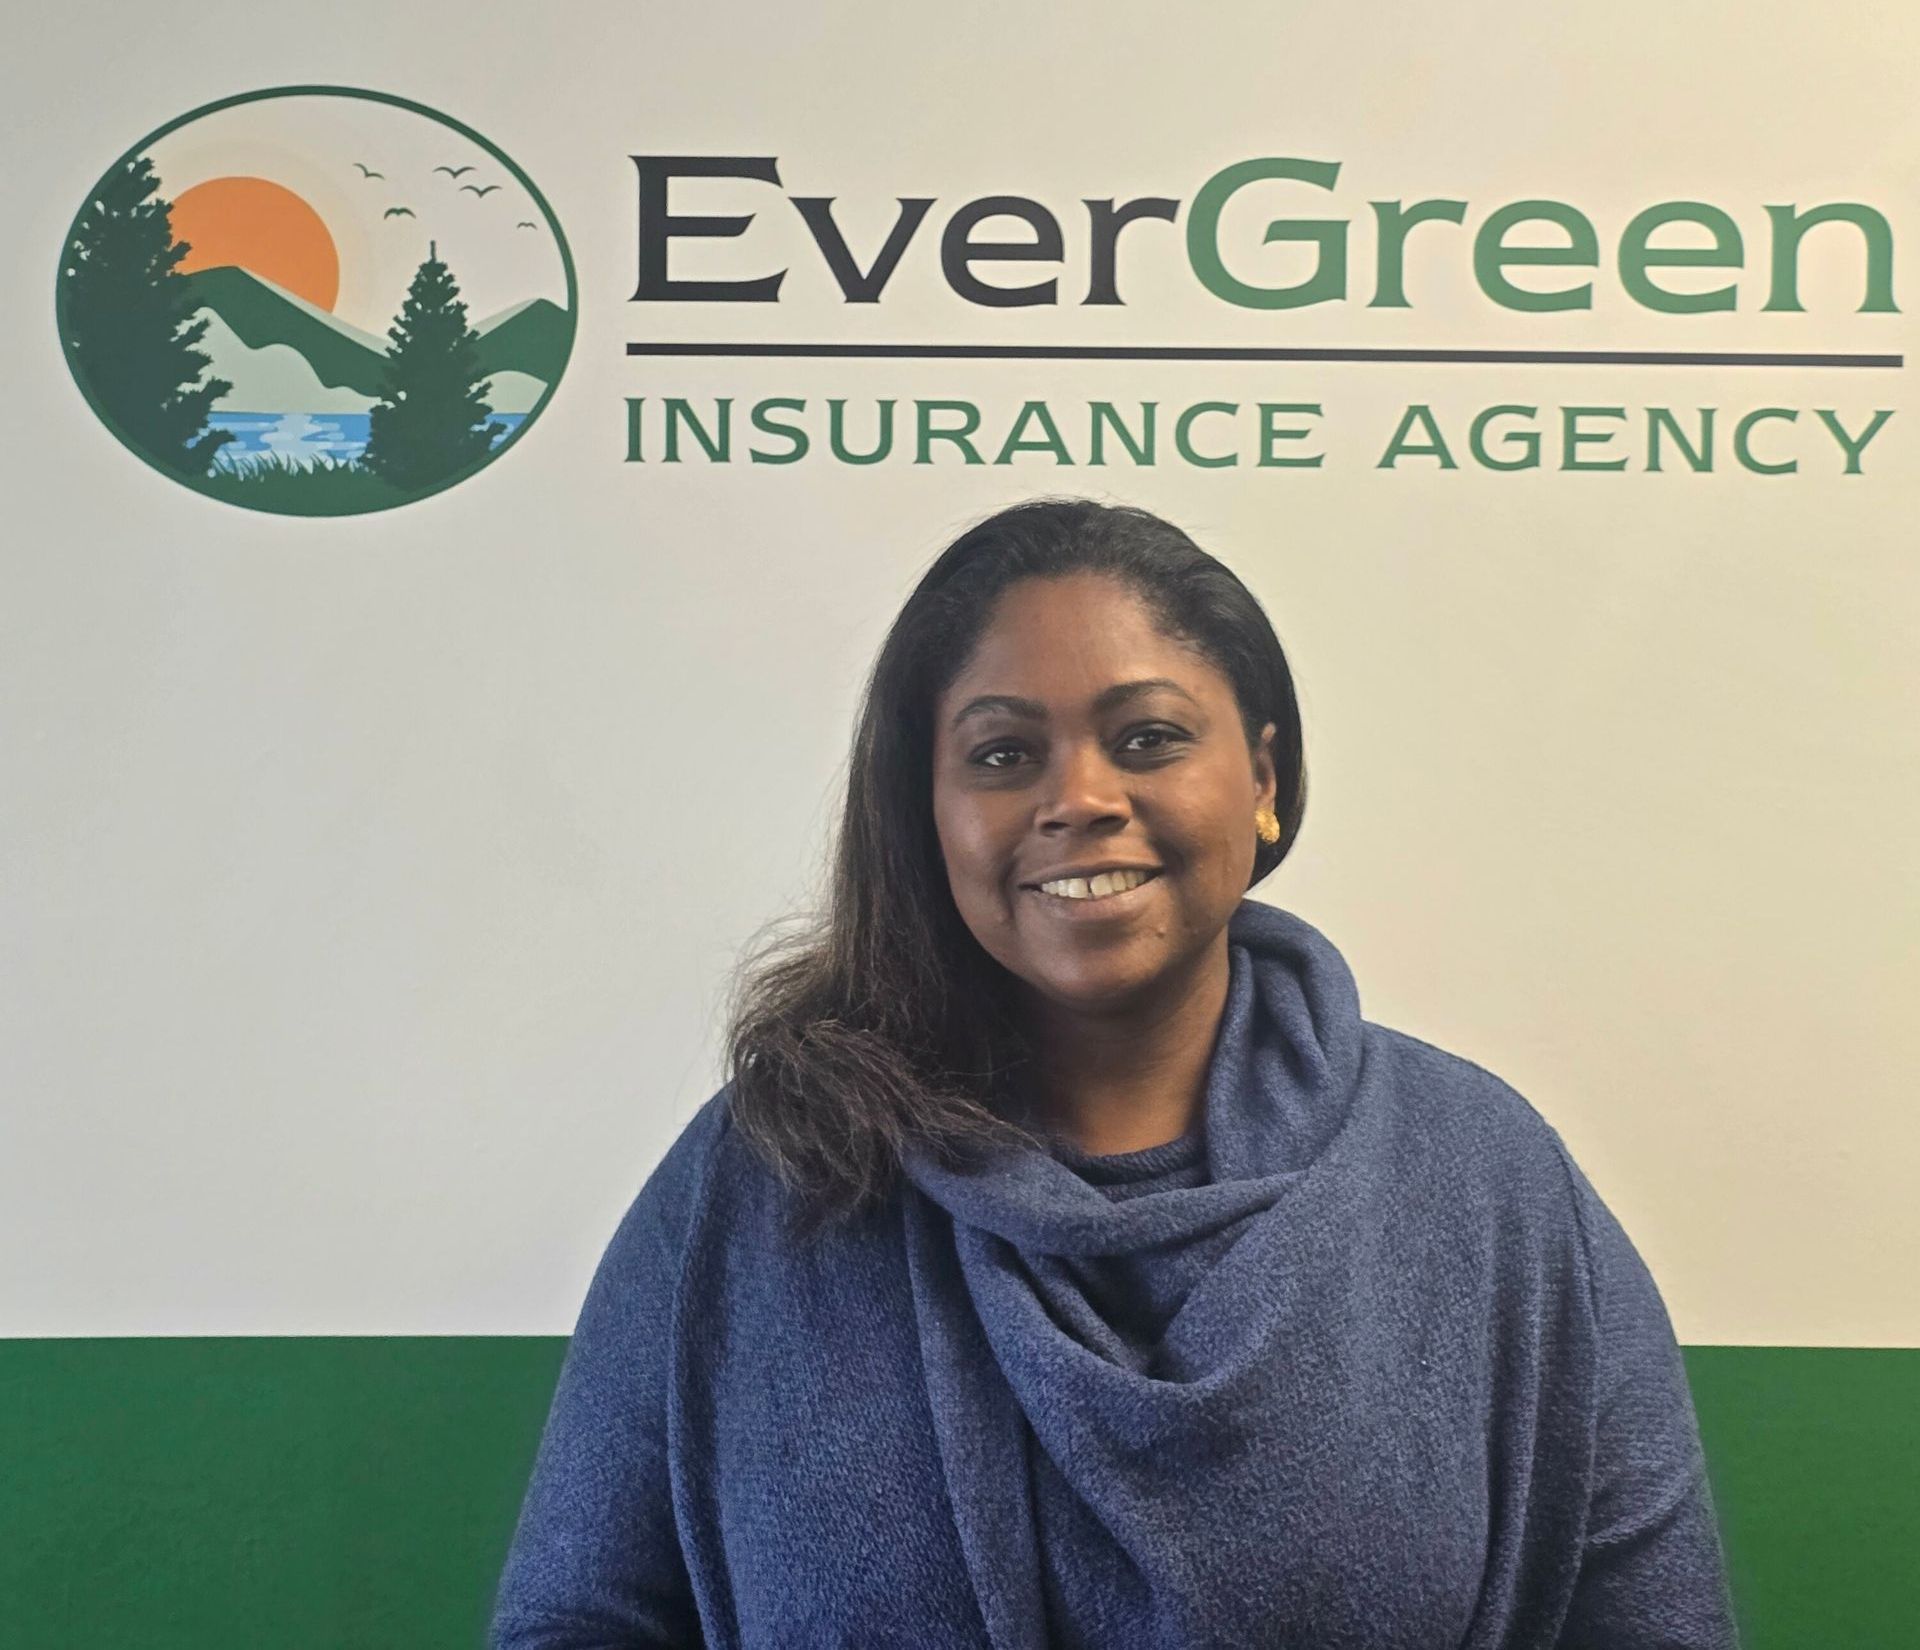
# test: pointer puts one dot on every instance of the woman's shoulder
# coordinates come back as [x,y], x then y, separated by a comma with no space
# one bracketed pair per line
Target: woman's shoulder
[652,1232]
[1453,1113]
[712,1173]
[694,1149]
[1467,1145]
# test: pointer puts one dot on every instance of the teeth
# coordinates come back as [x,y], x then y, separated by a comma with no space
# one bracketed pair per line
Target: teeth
[1108,882]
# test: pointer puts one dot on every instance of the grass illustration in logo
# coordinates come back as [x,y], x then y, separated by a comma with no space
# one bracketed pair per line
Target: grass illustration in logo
[220,290]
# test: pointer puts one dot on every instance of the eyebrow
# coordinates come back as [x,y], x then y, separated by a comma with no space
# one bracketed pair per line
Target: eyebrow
[1033,711]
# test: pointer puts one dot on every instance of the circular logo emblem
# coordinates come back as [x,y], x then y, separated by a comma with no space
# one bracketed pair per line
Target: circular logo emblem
[316,301]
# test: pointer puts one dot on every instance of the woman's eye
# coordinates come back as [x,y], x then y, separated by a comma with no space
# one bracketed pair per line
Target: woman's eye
[1156,739]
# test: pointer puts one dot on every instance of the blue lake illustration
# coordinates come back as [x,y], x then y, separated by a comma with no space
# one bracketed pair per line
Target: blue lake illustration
[303,438]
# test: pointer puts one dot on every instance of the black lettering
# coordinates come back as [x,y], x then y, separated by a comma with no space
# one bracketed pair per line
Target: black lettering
[1108,220]
[860,286]
[658,226]
[958,251]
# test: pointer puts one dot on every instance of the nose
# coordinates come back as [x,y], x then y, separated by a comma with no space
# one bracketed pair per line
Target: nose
[1085,789]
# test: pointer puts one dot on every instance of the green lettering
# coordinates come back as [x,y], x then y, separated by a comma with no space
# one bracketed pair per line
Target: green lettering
[1637,257]
[1140,451]
[796,437]
[1183,426]
[1395,220]
[1742,450]
[1401,446]
[1852,448]
[1527,440]
[1047,442]
[1790,226]
[837,434]
[1699,459]
[1492,256]
[1270,432]
[927,434]
[1573,438]
[679,411]
[1329,279]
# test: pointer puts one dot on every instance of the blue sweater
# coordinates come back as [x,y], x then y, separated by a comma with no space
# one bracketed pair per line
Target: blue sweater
[1362,1361]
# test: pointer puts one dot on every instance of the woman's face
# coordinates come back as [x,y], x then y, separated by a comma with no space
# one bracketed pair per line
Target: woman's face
[1078,738]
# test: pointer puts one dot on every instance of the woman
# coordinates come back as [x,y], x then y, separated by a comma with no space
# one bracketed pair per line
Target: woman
[1066,1261]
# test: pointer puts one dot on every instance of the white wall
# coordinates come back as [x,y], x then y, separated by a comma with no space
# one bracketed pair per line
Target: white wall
[370,884]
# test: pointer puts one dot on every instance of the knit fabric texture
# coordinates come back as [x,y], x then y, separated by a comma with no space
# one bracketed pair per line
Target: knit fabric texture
[1361,1360]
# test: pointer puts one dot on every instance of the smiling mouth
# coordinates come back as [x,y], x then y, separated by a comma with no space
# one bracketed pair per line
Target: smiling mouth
[1109,885]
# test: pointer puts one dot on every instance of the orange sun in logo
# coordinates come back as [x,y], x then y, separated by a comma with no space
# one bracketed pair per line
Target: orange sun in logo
[263,227]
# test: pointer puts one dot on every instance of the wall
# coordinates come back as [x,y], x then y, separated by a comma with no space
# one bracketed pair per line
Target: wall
[373,861]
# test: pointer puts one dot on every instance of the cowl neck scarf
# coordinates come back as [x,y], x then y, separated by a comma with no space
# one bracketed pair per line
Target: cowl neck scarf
[1170,1486]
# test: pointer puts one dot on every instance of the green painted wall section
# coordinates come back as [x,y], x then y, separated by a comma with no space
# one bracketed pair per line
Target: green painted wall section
[1814,1454]
[333,1494]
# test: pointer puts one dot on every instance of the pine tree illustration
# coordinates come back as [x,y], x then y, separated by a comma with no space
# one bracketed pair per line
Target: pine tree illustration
[122,310]
[431,419]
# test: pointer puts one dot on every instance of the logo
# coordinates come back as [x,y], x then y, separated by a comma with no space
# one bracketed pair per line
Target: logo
[316,301]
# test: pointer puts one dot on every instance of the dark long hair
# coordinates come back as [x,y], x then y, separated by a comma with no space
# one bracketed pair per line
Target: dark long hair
[885,1020]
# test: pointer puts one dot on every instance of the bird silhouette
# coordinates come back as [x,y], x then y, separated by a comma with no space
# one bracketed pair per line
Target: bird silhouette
[453,171]
[367,171]
[478,190]
[398,212]
[525,224]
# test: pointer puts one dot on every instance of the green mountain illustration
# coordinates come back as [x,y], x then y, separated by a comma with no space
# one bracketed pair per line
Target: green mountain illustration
[532,338]
[277,348]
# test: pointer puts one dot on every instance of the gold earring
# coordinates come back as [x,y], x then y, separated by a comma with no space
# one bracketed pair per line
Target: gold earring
[1267,823]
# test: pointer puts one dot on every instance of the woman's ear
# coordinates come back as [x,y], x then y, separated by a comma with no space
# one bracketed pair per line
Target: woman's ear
[1266,785]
